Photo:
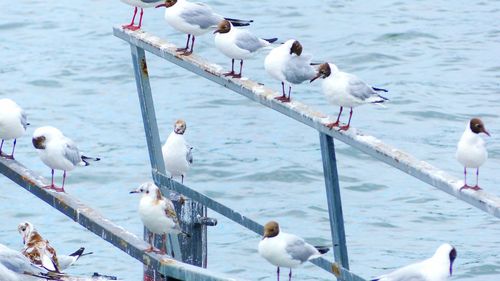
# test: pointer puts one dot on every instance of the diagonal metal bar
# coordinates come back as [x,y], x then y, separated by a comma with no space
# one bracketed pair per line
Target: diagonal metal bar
[317,120]
[103,227]
[334,201]
[166,183]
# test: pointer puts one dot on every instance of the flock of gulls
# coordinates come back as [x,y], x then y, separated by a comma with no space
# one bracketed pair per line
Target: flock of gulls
[287,64]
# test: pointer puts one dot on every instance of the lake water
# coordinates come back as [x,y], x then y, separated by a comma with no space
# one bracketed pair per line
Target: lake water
[439,59]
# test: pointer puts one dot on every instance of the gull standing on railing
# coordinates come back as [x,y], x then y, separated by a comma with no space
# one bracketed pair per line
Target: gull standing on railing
[239,44]
[139,4]
[286,63]
[346,90]
[13,124]
[471,150]
[177,153]
[58,152]
[157,214]
[286,250]
[194,19]
[437,268]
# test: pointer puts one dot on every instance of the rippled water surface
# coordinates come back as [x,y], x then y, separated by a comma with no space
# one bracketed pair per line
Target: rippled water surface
[439,59]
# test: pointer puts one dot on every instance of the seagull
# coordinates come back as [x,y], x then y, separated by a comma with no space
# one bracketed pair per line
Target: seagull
[346,90]
[14,266]
[471,150]
[58,152]
[286,250]
[237,44]
[194,19]
[157,214]
[437,268]
[13,124]
[286,63]
[177,153]
[139,4]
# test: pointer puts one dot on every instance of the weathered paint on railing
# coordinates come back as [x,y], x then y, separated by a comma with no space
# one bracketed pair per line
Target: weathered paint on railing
[102,227]
[317,120]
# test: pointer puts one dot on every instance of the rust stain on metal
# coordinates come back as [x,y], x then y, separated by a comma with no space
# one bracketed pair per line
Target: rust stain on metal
[146,260]
[336,269]
[144,67]
[165,261]
[123,244]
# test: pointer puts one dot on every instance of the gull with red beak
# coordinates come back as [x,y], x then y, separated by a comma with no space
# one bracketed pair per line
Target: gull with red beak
[237,43]
[139,4]
[346,90]
[471,150]
[286,63]
[177,153]
[439,267]
[194,19]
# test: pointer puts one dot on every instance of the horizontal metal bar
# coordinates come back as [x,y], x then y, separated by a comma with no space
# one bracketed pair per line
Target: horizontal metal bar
[166,184]
[102,227]
[317,120]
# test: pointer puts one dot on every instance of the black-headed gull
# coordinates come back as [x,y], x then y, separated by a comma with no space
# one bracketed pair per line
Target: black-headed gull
[39,251]
[194,19]
[13,124]
[177,153]
[139,4]
[471,150]
[286,63]
[286,250]
[157,214]
[237,44]
[58,152]
[346,90]
[437,268]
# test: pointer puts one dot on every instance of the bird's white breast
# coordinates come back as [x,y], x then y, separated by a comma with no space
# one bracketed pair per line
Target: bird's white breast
[174,152]
[53,156]
[335,88]
[471,150]
[274,251]
[274,63]
[153,216]
[10,122]
[225,42]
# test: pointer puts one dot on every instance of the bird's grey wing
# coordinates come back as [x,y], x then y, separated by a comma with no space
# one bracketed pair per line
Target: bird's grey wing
[150,1]
[24,120]
[299,250]
[170,210]
[201,15]
[358,88]
[298,69]
[410,272]
[189,154]
[247,41]
[71,152]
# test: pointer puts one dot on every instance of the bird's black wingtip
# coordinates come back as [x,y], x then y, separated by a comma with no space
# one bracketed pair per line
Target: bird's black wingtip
[322,249]
[78,252]
[271,40]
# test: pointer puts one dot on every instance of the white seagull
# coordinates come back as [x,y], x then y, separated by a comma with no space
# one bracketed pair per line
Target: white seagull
[346,90]
[471,150]
[239,44]
[286,250]
[286,63]
[157,214]
[437,268]
[177,153]
[139,4]
[13,124]
[58,152]
[194,19]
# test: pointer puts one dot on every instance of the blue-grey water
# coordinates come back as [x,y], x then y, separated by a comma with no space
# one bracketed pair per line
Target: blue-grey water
[439,59]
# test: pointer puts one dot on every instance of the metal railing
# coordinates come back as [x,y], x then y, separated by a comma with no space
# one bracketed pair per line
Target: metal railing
[191,254]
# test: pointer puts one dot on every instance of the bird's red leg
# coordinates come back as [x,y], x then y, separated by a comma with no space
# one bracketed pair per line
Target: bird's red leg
[241,67]
[282,97]
[465,180]
[287,99]
[231,73]
[476,187]
[187,45]
[128,26]
[346,127]
[187,53]
[51,186]
[336,124]
[62,187]
[151,248]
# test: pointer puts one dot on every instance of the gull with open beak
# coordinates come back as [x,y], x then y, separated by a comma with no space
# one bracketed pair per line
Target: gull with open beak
[471,149]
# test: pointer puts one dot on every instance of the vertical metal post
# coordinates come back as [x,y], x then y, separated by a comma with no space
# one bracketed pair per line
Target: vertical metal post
[334,201]
[152,135]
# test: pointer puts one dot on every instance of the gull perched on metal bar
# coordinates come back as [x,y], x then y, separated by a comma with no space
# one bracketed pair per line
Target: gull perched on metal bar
[471,150]
[58,152]
[286,250]
[177,153]
[13,124]
[286,63]
[157,214]
[237,43]
[139,4]
[194,19]
[437,268]
[346,90]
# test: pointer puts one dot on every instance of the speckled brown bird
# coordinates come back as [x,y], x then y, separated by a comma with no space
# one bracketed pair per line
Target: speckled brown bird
[37,249]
